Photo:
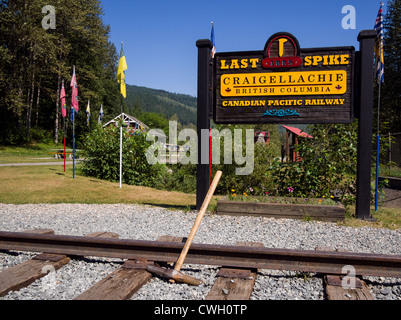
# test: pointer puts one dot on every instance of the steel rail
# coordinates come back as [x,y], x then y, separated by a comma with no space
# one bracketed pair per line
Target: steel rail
[217,255]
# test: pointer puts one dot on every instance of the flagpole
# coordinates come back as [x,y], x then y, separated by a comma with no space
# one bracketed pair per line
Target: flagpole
[121,141]
[63,94]
[121,154]
[210,134]
[73,132]
[122,66]
[64,141]
[73,144]
[378,152]
[378,110]
[121,134]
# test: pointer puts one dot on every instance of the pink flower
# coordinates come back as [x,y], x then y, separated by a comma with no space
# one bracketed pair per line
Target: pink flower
[290,189]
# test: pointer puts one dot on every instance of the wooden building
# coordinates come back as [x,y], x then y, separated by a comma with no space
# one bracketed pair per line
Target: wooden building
[133,124]
[292,135]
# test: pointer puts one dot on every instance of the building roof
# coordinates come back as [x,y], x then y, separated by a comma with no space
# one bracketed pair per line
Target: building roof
[298,132]
[129,120]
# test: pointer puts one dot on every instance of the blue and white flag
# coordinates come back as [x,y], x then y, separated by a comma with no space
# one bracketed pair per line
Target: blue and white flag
[101,114]
[379,46]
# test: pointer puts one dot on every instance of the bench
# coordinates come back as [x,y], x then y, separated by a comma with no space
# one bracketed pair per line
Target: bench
[60,155]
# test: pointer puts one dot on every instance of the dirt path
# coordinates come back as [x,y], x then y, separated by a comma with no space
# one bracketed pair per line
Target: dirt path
[35,164]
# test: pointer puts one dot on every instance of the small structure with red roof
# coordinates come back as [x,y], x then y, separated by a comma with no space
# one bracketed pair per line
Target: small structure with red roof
[291,137]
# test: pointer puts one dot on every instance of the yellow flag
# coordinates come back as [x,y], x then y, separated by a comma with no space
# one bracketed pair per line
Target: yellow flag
[122,66]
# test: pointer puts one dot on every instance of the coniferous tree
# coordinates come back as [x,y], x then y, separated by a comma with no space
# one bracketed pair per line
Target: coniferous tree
[390,111]
[34,61]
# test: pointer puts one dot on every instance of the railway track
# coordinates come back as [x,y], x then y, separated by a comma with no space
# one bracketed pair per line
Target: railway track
[238,265]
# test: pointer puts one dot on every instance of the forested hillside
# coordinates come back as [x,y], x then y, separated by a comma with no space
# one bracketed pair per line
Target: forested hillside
[167,104]
[34,60]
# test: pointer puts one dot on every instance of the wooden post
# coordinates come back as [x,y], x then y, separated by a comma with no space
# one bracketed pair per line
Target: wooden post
[287,146]
[365,126]
[203,120]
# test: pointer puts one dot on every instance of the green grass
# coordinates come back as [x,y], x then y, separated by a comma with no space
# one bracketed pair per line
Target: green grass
[389,218]
[31,153]
[392,171]
[34,185]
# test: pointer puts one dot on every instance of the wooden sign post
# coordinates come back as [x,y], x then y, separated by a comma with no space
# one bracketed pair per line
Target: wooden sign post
[284,84]
[203,120]
[364,85]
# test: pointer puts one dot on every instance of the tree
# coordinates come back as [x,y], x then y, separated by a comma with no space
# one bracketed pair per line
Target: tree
[34,61]
[390,112]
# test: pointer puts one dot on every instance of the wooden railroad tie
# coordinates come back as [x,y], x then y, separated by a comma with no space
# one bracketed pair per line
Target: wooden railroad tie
[336,290]
[23,274]
[234,284]
[125,281]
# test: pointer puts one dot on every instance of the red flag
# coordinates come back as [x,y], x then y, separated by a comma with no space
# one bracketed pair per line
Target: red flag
[74,94]
[62,98]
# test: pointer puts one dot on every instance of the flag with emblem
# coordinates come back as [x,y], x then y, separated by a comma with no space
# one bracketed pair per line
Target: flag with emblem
[101,114]
[63,104]
[74,96]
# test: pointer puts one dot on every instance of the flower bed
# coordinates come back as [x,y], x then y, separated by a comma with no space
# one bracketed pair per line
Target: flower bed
[284,208]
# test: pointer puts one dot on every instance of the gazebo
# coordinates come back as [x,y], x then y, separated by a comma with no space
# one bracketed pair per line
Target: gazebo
[130,121]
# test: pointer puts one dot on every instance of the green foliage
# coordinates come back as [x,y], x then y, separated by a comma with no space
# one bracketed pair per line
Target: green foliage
[178,177]
[259,181]
[161,102]
[183,177]
[155,121]
[41,135]
[102,157]
[34,61]
[327,165]
[390,108]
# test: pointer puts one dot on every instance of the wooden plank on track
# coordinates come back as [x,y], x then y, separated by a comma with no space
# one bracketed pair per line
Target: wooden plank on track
[123,283]
[23,274]
[239,286]
[335,290]
[119,285]
[16,277]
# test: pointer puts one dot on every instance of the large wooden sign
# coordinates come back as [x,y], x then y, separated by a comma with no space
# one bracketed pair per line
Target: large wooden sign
[284,84]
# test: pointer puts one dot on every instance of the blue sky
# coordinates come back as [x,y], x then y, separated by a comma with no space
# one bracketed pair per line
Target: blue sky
[159,36]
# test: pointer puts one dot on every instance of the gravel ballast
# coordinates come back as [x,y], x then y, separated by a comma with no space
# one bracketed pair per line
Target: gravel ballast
[144,222]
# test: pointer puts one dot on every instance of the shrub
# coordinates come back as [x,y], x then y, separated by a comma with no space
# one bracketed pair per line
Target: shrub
[101,150]
[328,165]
